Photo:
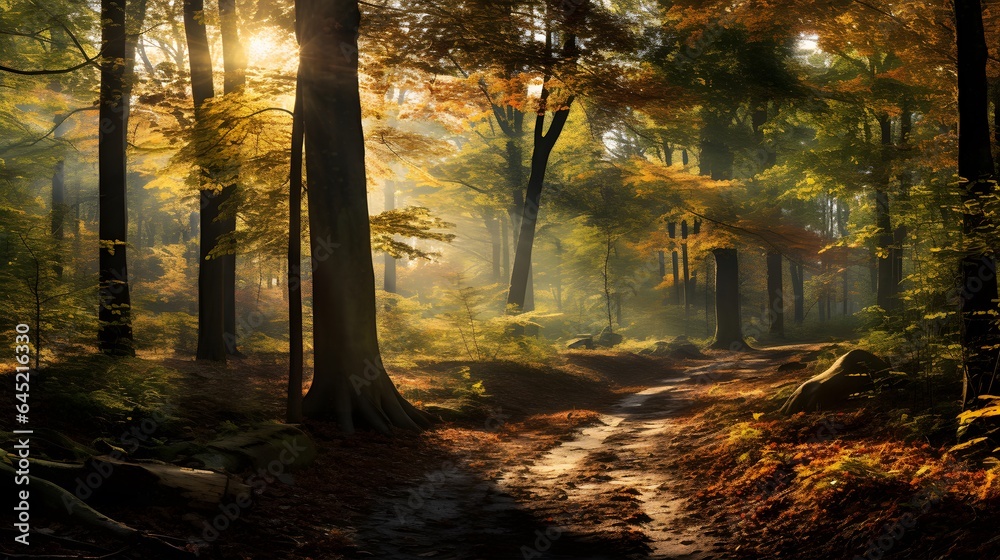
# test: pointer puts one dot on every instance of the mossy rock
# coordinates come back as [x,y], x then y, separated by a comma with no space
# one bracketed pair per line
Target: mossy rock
[853,373]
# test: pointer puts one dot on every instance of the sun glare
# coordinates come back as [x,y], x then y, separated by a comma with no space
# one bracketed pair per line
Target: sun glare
[267,49]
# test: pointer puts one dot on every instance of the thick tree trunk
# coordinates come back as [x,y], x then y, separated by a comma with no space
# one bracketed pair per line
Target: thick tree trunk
[350,384]
[234,65]
[775,294]
[115,330]
[211,302]
[975,168]
[728,320]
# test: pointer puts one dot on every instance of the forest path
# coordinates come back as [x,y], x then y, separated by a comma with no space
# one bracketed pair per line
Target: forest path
[602,493]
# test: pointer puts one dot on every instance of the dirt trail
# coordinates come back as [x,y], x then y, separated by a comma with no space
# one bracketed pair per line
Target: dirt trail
[596,495]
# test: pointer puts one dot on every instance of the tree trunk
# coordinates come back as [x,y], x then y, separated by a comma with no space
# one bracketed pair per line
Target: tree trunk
[294,412]
[542,148]
[775,294]
[544,142]
[728,320]
[58,213]
[677,277]
[975,168]
[798,291]
[905,182]
[211,303]
[389,274]
[234,78]
[887,287]
[607,281]
[350,385]
[496,244]
[504,248]
[115,330]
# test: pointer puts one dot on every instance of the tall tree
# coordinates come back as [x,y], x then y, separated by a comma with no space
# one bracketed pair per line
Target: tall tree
[115,330]
[350,384]
[980,335]
[294,413]
[544,141]
[211,304]
[234,79]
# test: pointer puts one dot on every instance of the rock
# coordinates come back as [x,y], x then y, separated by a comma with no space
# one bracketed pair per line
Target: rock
[852,373]
[974,450]
[680,348]
[608,338]
[581,342]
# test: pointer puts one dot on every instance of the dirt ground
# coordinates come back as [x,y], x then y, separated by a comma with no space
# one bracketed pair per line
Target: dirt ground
[597,455]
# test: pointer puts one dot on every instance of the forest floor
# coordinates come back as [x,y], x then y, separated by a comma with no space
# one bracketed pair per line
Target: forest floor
[596,455]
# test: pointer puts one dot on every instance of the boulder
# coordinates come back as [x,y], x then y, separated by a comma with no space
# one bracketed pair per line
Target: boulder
[581,342]
[609,338]
[854,372]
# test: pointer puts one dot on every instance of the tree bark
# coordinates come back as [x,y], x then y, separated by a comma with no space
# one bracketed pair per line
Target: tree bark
[728,320]
[294,412]
[541,150]
[544,142]
[58,212]
[496,244]
[115,330]
[975,169]
[211,304]
[389,276]
[887,287]
[234,66]
[798,291]
[350,385]
[775,294]
[677,277]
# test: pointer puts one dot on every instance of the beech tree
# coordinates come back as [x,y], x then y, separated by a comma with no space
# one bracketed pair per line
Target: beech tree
[350,384]
[978,293]
[115,332]
[211,296]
